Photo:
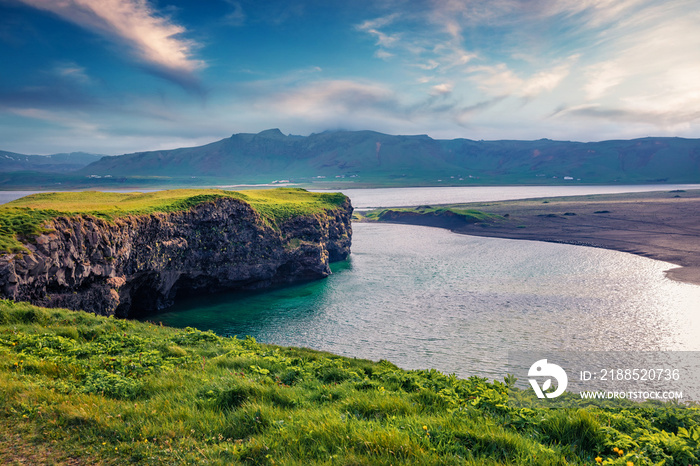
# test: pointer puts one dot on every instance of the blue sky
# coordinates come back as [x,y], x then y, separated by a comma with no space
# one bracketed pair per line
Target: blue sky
[117,76]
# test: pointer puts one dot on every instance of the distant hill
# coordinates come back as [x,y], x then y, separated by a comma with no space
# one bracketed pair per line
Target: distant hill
[56,163]
[367,156]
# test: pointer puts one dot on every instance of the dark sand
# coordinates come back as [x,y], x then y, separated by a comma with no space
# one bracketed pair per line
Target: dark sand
[661,225]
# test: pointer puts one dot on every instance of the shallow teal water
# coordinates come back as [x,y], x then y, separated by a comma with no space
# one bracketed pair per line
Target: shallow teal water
[428,298]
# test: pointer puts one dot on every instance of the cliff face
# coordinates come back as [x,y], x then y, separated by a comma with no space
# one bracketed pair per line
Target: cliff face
[139,264]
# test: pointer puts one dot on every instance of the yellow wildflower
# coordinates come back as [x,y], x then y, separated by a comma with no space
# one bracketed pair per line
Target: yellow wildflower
[629,463]
[598,459]
[616,449]
[620,452]
[425,427]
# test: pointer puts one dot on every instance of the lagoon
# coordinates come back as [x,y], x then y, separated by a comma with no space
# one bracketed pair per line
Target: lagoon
[427,298]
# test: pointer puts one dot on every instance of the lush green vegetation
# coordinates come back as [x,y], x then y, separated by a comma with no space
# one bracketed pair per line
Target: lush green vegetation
[22,218]
[113,391]
[467,215]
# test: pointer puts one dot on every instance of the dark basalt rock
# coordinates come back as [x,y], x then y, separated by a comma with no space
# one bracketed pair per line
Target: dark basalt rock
[139,264]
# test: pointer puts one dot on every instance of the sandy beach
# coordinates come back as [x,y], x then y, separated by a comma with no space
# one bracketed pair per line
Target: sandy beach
[663,225]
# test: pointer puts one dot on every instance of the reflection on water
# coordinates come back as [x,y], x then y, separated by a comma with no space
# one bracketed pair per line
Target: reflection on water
[424,297]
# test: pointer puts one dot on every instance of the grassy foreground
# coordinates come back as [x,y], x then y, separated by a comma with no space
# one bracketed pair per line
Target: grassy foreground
[78,389]
[24,217]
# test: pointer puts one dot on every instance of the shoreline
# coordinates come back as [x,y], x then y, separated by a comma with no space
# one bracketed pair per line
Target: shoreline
[661,225]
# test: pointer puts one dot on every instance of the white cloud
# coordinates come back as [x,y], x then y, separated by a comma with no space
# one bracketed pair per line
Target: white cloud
[651,68]
[544,81]
[372,27]
[334,96]
[603,77]
[500,80]
[595,12]
[442,89]
[383,54]
[430,65]
[377,22]
[155,40]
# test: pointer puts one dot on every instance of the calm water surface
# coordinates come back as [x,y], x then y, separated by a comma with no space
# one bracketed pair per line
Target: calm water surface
[398,197]
[428,298]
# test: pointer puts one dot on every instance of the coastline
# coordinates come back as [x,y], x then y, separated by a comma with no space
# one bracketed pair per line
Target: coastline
[661,225]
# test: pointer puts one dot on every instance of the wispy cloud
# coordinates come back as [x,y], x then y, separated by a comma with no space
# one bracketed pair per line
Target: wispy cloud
[59,118]
[237,16]
[373,26]
[383,54]
[650,69]
[340,97]
[72,71]
[501,80]
[155,40]
[600,59]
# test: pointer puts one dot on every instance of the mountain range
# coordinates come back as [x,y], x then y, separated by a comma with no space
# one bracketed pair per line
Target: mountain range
[55,163]
[368,158]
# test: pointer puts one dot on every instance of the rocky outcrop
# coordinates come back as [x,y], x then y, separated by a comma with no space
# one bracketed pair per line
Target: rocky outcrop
[443,219]
[139,264]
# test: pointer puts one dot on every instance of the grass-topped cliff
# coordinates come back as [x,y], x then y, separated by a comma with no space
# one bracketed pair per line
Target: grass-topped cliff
[24,217]
[126,253]
[78,389]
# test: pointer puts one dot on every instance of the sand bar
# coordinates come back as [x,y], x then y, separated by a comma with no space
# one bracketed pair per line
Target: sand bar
[662,225]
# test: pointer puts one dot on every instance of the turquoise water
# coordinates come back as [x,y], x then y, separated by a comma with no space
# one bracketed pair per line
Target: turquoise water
[428,298]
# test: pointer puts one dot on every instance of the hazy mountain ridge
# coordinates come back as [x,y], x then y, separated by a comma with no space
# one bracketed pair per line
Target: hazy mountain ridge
[379,159]
[54,163]
[371,154]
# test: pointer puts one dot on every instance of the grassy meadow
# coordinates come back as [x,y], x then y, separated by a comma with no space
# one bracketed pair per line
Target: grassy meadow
[78,387]
[24,217]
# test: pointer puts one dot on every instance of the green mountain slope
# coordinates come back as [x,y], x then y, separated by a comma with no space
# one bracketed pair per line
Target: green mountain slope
[372,156]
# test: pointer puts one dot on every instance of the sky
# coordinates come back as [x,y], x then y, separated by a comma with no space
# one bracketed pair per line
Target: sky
[120,76]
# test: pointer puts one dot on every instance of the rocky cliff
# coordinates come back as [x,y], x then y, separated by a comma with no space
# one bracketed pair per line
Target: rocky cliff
[140,263]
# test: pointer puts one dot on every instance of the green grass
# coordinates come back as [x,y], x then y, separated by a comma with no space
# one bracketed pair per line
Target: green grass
[111,391]
[23,218]
[468,215]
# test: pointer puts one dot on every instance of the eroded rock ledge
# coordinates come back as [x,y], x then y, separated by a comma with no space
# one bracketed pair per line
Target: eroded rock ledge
[139,264]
